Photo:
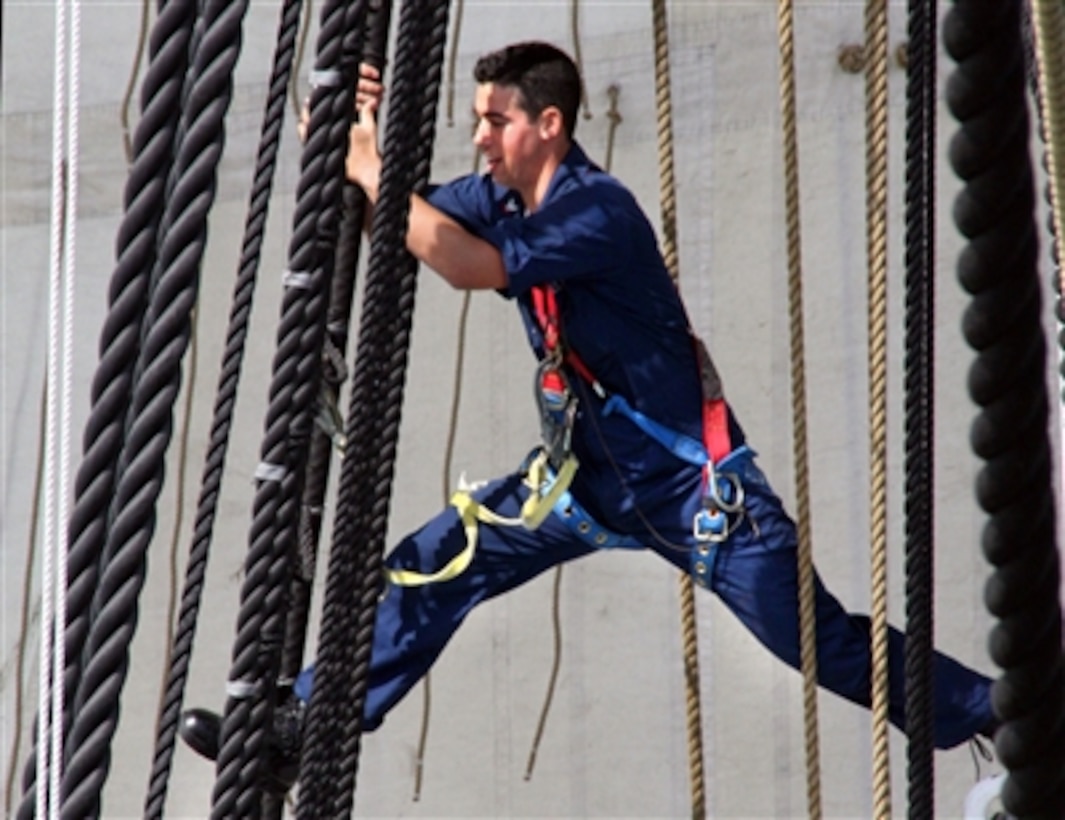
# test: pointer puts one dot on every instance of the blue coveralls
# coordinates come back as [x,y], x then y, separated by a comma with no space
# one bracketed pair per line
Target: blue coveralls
[623,315]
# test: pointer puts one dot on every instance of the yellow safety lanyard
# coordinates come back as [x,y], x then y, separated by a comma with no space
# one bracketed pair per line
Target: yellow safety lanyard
[545,488]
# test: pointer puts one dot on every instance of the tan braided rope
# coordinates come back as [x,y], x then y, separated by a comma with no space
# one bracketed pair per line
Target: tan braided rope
[614,118]
[452,62]
[664,111]
[876,237]
[1049,28]
[668,198]
[804,553]
[462,326]
[575,30]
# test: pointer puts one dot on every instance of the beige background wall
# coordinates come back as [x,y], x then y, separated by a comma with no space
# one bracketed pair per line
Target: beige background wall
[615,742]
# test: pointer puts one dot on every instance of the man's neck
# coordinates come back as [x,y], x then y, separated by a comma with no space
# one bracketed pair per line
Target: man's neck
[533,197]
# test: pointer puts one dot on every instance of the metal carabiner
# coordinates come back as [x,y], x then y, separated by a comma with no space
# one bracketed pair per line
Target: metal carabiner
[557,406]
[723,490]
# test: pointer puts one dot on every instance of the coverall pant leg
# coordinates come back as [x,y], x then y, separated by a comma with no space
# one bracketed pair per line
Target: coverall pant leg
[415,623]
[756,576]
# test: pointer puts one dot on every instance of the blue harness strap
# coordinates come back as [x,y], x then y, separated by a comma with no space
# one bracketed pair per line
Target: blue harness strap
[683,447]
[594,534]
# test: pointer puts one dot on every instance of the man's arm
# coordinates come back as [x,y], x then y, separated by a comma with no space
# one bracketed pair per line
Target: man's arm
[464,260]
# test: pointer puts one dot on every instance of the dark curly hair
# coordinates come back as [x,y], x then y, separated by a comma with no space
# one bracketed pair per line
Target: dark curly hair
[543,74]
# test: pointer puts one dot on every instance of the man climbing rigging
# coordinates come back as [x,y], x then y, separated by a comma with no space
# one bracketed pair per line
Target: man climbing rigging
[640,449]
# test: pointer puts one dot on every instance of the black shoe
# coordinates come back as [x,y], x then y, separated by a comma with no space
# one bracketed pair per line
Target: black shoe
[201,729]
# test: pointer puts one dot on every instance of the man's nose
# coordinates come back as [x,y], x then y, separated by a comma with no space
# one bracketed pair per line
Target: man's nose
[480,133]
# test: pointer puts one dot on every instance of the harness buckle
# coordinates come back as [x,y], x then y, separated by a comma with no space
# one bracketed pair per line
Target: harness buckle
[710,526]
[723,496]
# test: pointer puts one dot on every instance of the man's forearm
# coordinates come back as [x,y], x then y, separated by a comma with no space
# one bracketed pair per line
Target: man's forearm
[464,260]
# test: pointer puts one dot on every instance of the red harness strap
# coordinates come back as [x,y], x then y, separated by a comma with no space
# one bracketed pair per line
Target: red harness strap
[716,437]
[546,307]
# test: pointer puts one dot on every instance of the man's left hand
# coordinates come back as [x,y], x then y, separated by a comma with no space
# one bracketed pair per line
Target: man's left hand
[363,164]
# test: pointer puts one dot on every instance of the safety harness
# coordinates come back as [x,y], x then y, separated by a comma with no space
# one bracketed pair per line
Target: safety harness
[550,469]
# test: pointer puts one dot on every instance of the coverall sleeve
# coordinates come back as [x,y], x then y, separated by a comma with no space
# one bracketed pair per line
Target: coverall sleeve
[465,200]
[571,237]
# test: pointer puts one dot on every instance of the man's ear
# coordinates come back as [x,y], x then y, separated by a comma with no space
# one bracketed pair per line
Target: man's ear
[550,121]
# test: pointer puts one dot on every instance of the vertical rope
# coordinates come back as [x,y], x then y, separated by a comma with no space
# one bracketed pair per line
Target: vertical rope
[686,587]
[293,388]
[1003,323]
[452,63]
[180,650]
[130,287]
[328,434]
[804,556]
[575,30]
[614,119]
[70,246]
[446,484]
[921,155]
[1048,30]
[335,718]
[50,687]
[667,183]
[156,385]
[131,83]
[876,238]
[22,650]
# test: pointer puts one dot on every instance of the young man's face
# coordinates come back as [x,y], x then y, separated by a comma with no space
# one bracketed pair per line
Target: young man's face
[512,145]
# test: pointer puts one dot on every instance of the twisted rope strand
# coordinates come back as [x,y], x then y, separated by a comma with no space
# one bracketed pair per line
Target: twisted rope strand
[919,506]
[157,378]
[225,400]
[335,718]
[995,212]
[111,386]
[293,387]
[686,588]
[804,553]
[876,238]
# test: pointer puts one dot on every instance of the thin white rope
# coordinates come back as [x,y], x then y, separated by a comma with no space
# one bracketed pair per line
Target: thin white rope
[70,219]
[58,377]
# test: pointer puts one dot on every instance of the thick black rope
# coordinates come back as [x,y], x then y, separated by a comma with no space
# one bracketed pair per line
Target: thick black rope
[330,704]
[334,373]
[995,212]
[328,433]
[225,400]
[294,384]
[334,725]
[430,70]
[143,201]
[157,380]
[921,98]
